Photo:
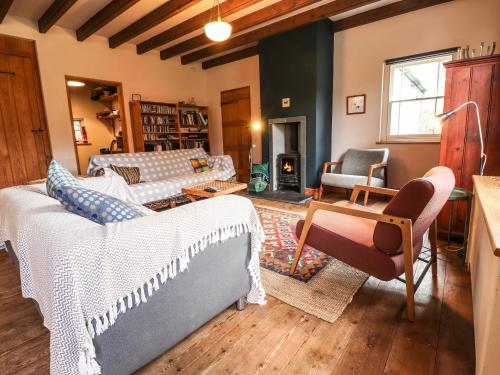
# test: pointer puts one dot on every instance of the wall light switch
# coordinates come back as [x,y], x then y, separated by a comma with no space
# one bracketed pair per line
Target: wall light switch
[285,102]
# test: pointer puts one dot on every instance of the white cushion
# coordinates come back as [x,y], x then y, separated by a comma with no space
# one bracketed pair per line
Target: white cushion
[348,181]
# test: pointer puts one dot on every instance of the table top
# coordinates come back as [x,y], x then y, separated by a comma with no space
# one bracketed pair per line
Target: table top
[222,187]
[487,189]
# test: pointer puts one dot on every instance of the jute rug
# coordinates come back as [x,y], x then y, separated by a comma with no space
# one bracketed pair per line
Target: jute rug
[325,292]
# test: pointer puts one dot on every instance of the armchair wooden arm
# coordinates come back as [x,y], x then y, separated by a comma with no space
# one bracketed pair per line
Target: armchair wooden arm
[330,164]
[371,169]
[405,226]
[372,189]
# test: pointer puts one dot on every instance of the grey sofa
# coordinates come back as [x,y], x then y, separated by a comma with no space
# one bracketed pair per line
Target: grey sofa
[177,309]
[358,167]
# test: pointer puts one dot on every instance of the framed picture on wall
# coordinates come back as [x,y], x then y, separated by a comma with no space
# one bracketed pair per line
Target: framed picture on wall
[356,104]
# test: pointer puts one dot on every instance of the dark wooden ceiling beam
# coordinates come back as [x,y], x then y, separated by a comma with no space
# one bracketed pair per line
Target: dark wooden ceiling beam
[262,15]
[4,8]
[313,15]
[103,17]
[226,8]
[230,57]
[53,14]
[383,12]
[153,18]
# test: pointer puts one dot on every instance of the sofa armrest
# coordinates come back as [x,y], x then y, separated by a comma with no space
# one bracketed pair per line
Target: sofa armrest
[222,162]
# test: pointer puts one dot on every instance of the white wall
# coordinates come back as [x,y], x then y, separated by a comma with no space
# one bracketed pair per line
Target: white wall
[239,74]
[60,54]
[358,59]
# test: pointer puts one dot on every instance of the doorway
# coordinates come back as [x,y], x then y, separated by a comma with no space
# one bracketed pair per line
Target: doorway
[236,129]
[24,138]
[97,118]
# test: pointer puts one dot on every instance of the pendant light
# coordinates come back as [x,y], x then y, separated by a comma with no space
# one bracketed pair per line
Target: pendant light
[219,30]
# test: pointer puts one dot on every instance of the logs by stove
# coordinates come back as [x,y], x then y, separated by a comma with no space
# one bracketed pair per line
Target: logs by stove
[288,169]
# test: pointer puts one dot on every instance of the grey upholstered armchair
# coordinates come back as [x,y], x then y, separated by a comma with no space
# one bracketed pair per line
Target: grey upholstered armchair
[358,167]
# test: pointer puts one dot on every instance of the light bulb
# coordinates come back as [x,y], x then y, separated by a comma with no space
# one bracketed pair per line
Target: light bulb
[218,31]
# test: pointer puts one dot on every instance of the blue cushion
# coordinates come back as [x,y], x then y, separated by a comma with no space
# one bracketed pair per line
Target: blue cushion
[93,205]
[57,176]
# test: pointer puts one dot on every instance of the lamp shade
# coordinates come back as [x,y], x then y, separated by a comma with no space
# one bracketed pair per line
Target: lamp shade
[218,31]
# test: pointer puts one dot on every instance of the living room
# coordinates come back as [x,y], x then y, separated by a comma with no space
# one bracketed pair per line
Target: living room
[325,151]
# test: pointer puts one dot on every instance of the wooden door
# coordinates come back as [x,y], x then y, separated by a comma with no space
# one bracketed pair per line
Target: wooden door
[236,129]
[25,149]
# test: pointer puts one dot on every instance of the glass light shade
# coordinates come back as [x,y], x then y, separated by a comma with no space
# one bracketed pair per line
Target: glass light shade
[218,31]
[75,83]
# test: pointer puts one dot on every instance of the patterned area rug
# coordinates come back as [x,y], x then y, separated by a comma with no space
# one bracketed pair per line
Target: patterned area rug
[281,242]
[323,286]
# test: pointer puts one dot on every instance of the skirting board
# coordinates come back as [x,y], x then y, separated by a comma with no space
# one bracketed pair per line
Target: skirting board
[312,191]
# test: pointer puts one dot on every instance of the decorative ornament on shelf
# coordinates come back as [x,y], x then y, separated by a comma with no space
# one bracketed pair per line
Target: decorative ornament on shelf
[218,30]
[468,53]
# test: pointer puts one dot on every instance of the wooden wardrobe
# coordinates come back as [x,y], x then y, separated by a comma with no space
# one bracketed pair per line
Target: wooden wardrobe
[24,140]
[475,80]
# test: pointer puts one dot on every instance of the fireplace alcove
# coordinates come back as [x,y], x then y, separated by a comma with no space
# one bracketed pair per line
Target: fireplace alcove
[287,153]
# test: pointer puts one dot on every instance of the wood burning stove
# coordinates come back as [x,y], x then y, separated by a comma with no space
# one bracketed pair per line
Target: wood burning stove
[288,169]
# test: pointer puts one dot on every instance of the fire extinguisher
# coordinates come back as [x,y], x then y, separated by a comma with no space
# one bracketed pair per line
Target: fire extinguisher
[84,135]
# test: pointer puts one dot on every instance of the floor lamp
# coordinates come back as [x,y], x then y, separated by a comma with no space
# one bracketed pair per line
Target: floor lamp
[444,116]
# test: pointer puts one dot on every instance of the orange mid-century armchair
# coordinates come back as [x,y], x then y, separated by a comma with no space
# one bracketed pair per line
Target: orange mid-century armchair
[383,244]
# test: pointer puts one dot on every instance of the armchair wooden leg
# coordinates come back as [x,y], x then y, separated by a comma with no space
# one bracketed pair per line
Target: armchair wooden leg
[408,259]
[433,241]
[365,201]
[302,241]
[320,191]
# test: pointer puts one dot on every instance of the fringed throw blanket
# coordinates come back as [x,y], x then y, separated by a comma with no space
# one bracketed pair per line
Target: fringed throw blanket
[84,275]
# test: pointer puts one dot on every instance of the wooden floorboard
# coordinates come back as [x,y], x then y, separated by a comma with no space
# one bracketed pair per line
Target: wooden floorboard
[372,336]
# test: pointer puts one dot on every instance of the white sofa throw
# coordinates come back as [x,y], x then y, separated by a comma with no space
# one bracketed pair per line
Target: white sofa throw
[80,272]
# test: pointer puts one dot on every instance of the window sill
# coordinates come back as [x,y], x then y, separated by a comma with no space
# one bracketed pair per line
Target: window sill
[407,142]
[83,144]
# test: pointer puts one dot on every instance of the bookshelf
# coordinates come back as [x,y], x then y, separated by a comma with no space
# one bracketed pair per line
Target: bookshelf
[172,125]
[193,126]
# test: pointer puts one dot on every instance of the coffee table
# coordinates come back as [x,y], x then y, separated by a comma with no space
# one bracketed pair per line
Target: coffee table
[221,187]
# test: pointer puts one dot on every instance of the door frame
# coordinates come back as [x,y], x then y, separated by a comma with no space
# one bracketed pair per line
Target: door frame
[121,99]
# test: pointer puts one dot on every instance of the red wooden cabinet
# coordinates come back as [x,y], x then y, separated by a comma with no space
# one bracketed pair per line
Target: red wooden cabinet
[475,80]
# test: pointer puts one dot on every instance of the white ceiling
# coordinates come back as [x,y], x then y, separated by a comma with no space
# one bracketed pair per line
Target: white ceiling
[80,12]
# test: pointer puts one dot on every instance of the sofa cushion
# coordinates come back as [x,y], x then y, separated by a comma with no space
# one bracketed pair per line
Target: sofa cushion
[420,200]
[57,176]
[93,205]
[131,175]
[348,181]
[357,161]
[199,165]
[156,190]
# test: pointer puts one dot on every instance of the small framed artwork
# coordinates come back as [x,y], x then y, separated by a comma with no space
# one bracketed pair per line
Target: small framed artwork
[356,104]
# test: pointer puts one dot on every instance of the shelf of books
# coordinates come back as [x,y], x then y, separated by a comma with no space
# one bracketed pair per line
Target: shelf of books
[193,126]
[168,126]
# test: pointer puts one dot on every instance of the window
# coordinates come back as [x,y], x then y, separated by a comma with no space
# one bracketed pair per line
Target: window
[77,128]
[413,94]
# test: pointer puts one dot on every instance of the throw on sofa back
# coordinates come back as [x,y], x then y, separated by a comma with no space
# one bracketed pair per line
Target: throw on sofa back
[153,165]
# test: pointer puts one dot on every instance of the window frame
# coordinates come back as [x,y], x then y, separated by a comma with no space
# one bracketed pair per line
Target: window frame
[385,120]
[81,120]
